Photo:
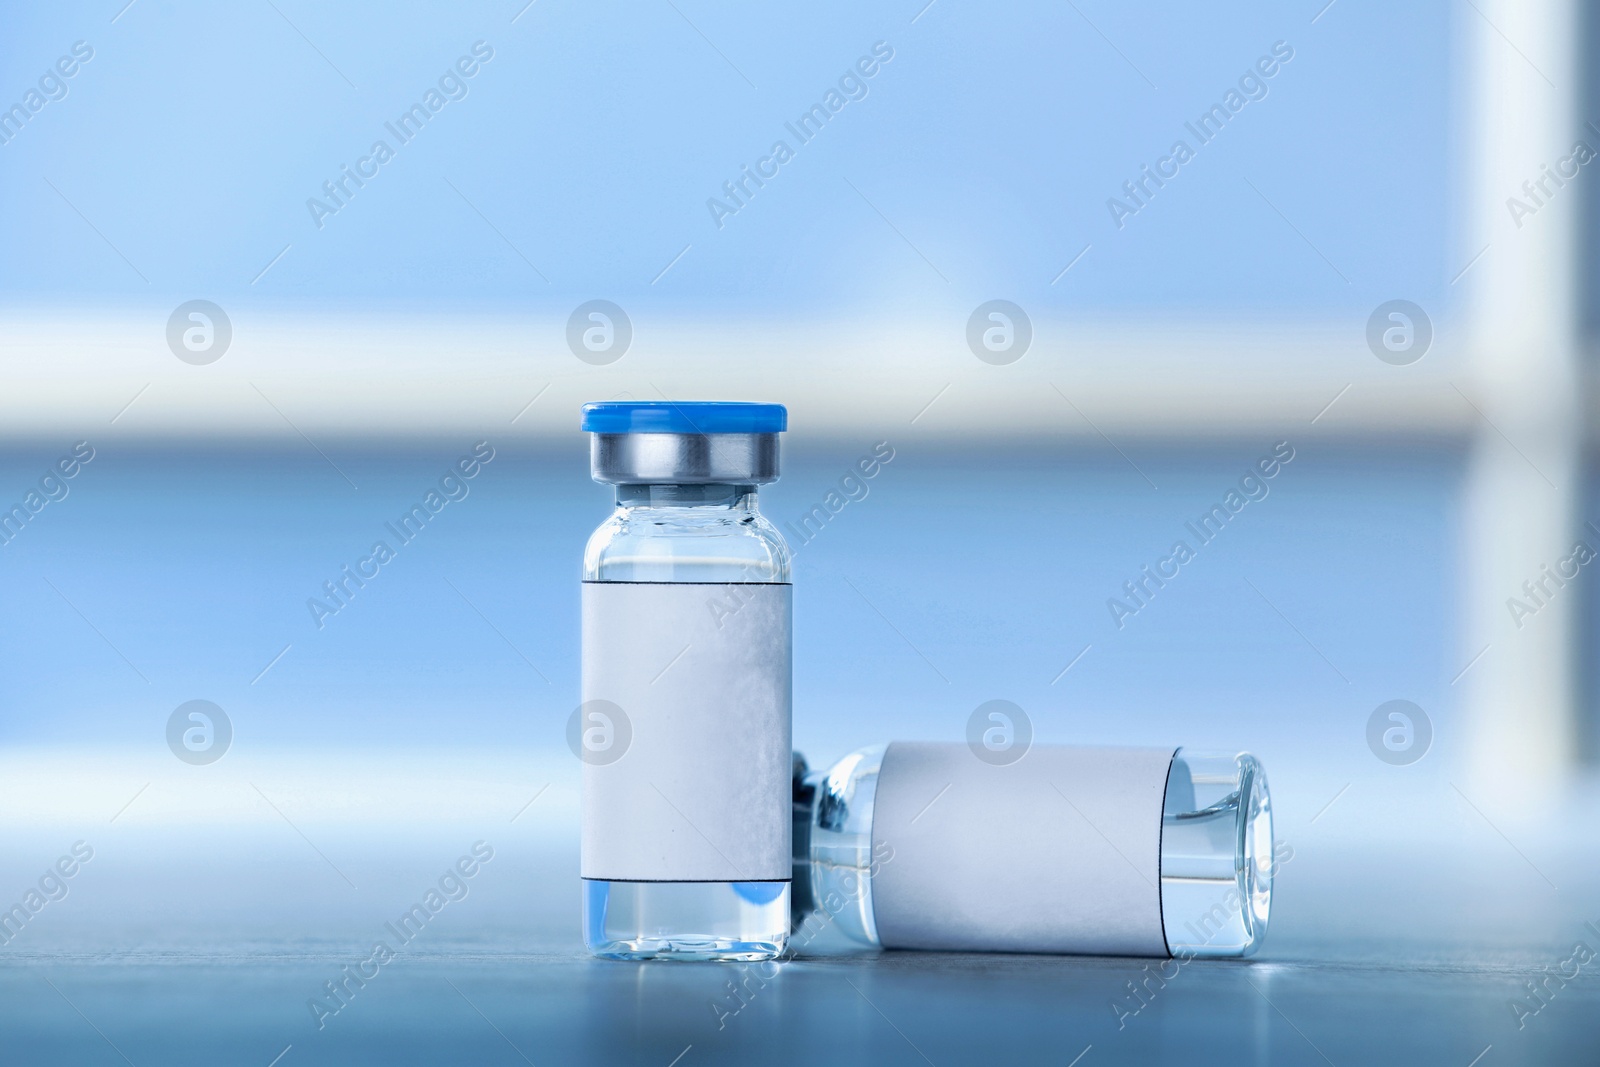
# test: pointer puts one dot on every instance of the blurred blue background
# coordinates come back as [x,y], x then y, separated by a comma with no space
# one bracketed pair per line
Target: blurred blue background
[991,571]
[590,143]
[579,162]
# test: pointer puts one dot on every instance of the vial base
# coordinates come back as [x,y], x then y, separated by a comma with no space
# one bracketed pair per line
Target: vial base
[732,921]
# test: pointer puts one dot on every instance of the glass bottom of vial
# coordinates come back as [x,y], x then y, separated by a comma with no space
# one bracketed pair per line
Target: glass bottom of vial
[733,921]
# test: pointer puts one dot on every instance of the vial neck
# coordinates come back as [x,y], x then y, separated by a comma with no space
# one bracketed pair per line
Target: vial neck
[716,495]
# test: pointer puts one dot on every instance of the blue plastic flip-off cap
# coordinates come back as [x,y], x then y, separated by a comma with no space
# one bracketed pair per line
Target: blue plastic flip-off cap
[683,416]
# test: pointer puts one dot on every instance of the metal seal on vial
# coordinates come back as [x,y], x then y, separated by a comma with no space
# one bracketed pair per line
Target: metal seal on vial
[684,459]
[669,443]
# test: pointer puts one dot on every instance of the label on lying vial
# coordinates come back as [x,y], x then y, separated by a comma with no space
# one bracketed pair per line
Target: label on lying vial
[700,674]
[1059,851]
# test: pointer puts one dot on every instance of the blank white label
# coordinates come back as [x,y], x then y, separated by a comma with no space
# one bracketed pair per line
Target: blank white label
[702,671]
[1058,852]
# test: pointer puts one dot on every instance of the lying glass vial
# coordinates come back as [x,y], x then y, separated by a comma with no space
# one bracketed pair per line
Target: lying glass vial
[1082,850]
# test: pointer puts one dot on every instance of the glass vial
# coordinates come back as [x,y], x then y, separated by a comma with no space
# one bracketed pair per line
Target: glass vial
[685,720]
[1105,851]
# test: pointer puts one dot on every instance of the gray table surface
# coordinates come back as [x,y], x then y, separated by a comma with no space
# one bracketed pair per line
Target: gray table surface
[1376,955]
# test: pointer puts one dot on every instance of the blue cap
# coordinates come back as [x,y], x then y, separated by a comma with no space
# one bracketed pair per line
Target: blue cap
[683,416]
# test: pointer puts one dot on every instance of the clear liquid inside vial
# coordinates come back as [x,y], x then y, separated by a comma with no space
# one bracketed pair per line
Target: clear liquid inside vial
[685,920]
[686,533]
[1217,861]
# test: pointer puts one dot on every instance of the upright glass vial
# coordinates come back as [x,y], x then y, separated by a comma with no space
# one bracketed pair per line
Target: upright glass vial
[684,728]
[1103,851]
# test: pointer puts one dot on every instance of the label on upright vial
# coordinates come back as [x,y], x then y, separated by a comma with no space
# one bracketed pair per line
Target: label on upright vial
[702,672]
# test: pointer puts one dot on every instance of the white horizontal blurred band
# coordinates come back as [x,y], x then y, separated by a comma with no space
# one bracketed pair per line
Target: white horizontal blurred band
[394,788]
[323,376]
